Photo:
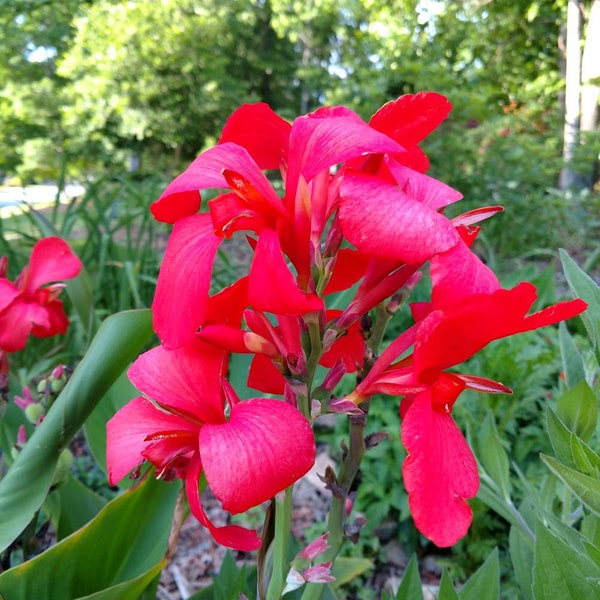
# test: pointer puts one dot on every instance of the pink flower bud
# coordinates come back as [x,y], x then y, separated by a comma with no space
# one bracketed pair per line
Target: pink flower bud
[319,573]
[316,547]
[26,400]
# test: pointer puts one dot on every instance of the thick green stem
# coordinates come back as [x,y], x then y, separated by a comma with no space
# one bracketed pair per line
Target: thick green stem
[281,563]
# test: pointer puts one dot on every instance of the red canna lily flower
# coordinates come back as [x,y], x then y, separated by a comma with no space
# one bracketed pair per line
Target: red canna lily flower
[248,450]
[440,471]
[29,306]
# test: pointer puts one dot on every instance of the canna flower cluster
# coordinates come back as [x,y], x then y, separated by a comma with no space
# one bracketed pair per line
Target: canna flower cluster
[326,204]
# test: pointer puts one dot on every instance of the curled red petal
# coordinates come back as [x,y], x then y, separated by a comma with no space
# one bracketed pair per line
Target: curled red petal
[264,447]
[449,336]
[181,198]
[230,536]
[440,472]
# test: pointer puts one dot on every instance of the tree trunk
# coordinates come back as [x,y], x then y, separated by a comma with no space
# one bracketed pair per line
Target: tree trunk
[568,178]
[590,83]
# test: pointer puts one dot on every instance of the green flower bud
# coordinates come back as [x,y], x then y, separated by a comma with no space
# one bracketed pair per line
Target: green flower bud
[33,412]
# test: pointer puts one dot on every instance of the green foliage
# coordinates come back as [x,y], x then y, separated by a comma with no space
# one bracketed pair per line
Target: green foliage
[484,583]
[23,490]
[117,555]
[230,582]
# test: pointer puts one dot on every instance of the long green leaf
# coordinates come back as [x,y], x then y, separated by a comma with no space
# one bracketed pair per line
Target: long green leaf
[572,361]
[485,582]
[578,409]
[560,571]
[125,541]
[584,287]
[410,588]
[447,591]
[24,488]
[586,488]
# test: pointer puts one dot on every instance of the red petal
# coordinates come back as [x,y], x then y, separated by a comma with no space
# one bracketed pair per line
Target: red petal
[181,298]
[187,380]
[181,198]
[381,220]
[325,138]
[459,273]
[128,429]
[350,347]
[439,473]
[264,447]
[448,337]
[261,131]
[8,292]
[57,321]
[271,286]
[17,321]
[350,266]
[230,536]
[264,376]
[411,118]
[51,260]
[427,190]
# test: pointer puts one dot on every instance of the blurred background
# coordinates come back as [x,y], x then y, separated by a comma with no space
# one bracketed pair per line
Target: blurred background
[96,87]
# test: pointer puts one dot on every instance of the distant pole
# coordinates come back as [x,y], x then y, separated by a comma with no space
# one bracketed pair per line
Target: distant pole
[568,178]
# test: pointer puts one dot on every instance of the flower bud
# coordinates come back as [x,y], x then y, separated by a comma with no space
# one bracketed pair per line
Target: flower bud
[33,412]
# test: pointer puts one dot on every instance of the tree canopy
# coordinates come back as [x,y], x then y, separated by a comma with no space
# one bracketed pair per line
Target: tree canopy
[92,82]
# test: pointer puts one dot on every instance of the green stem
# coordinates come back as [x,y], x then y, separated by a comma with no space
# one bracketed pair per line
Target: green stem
[281,563]
[351,463]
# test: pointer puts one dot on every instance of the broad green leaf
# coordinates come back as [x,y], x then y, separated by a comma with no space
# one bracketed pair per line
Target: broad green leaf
[72,505]
[410,588]
[485,582]
[126,540]
[578,409]
[24,488]
[585,288]
[346,569]
[493,456]
[560,571]
[133,589]
[572,361]
[586,488]
[447,591]
[521,556]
